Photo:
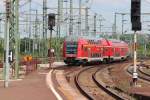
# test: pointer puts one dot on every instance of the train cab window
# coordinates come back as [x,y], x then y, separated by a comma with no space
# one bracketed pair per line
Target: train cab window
[97,55]
[82,47]
[105,49]
[100,55]
[91,54]
[99,42]
[122,50]
[117,54]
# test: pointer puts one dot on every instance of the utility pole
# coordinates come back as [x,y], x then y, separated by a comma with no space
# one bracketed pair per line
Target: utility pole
[0,23]
[95,24]
[35,41]
[86,22]
[7,26]
[26,44]
[114,27]
[17,36]
[45,47]
[135,74]
[100,21]
[71,18]
[79,19]
[123,23]
[66,15]
[29,52]
[115,24]
[60,17]
[11,38]
[14,33]
[39,38]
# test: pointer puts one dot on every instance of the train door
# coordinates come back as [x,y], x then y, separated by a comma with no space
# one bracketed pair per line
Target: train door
[106,52]
[122,51]
[117,52]
[85,51]
[89,52]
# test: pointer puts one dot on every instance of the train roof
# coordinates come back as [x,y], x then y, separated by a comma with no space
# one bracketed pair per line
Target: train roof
[76,38]
[110,42]
[114,42]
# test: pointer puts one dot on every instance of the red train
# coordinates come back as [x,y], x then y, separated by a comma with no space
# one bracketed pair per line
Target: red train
[83,49]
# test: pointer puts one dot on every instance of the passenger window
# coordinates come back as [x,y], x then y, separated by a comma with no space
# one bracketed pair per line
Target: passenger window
[85,48]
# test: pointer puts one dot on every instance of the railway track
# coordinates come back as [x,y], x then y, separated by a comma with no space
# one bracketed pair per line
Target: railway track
[90,87]
[107,89]
[142,75]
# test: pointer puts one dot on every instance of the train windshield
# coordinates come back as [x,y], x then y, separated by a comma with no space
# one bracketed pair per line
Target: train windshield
[71,48]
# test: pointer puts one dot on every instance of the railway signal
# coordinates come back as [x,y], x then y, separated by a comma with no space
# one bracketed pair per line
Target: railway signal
[51,21]
[136,15]
[51,24]
[136,26]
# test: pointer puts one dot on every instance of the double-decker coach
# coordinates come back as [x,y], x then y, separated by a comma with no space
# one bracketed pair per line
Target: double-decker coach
[84,49]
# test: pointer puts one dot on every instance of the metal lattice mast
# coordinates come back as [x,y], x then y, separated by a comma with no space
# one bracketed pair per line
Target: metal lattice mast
[71,18]
[6,43]
[35,40]
[66,15]
[94,34]
[79,20]
[26,44]
[30,32]
[11,36]
[59,22]
[14,33]
[0,23]
[61,16]
[58,18]
[45,47]
[115,26]
[86,22]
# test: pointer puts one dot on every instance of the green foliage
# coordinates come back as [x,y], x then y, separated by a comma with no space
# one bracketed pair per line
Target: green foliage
[1,48]
[56,43]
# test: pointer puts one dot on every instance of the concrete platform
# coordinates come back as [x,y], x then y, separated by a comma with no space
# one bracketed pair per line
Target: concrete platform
[60,86]
[33,87]
[69,92]
[58,64]
[54,65]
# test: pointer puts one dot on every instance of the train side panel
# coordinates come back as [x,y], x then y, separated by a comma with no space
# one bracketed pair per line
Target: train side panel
[87,50]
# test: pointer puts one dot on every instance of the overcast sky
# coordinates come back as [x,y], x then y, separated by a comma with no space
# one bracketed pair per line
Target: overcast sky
[106,8]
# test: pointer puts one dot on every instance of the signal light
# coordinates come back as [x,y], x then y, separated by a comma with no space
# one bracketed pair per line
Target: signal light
[51,21]
[8,9]
[136,26]
[136,14]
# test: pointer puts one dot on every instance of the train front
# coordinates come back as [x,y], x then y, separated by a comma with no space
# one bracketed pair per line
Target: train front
[70,47]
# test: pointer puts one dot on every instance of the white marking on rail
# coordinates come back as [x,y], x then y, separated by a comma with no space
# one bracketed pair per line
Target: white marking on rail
[12,80]
[51,86]
[42,73]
